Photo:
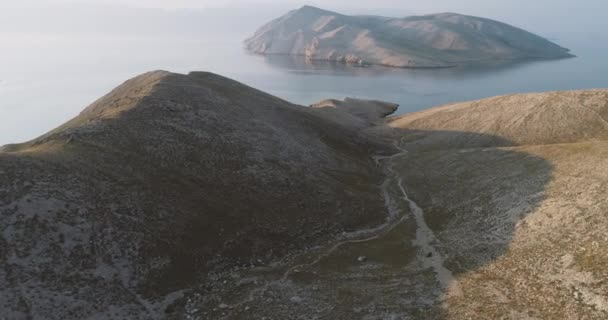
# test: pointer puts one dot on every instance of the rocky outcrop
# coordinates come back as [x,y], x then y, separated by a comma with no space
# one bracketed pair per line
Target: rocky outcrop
[437,40]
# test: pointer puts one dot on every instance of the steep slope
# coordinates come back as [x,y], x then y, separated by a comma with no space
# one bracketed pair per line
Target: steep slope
[166,180]
[437,40]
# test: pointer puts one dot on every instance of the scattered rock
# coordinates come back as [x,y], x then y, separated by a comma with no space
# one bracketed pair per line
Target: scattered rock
[296,299]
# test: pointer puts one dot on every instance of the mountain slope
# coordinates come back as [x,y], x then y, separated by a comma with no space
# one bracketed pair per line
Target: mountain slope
[163,182]
[516,197]
[501,214]
[437,40]
[518,119]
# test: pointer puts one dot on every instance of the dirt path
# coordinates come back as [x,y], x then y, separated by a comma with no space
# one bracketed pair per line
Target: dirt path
[427,241]
[400,208]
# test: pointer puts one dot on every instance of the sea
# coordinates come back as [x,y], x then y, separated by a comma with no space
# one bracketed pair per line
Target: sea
[46,79]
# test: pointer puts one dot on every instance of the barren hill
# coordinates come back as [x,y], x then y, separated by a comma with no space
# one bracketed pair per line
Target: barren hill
[518,119]
[514,188]
[164,181]
[436,40]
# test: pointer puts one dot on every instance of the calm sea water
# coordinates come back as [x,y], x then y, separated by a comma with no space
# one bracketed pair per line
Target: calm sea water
[46,79]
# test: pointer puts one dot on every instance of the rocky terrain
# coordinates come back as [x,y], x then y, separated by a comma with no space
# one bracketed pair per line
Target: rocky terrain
[197,197]
[496,212]
[430,41]
[162,183]
[515,194]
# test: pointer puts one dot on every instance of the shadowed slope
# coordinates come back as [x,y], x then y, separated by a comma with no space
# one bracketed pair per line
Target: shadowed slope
[164,180]
[454,212]
[486,228]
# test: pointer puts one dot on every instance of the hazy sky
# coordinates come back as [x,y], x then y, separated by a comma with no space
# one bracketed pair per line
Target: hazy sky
[539,8]
[548,17]
[494,5]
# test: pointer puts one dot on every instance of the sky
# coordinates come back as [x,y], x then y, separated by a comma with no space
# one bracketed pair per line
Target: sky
[537,14]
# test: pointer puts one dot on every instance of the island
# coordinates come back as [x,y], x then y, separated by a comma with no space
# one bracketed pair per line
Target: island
[428,41]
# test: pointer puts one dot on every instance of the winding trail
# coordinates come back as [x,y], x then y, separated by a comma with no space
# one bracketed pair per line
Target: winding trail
[425,238]
[394,219]
[430,255]
[426,241]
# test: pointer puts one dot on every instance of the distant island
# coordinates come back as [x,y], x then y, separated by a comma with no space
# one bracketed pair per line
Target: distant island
[429,41]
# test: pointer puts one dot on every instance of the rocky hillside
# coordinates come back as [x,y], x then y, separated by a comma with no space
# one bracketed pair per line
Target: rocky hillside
[500,213]
[519,119]
[162,183]
[197,197]
[514,189]
[437,40]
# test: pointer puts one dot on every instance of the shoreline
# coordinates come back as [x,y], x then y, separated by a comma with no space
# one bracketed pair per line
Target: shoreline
[449,65]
